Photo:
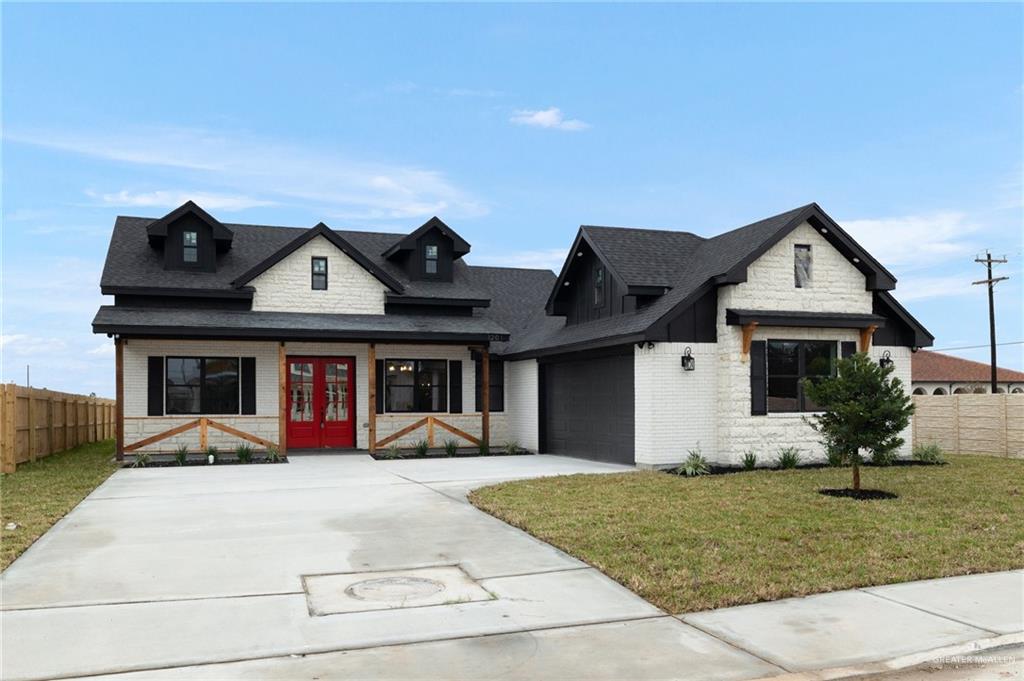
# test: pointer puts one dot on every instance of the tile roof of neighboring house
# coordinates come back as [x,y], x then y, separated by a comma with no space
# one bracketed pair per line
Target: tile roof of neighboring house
[926,365]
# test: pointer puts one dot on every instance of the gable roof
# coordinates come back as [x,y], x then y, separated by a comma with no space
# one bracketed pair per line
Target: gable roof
[158,228]
[926,365]
[305,237]
[460,246]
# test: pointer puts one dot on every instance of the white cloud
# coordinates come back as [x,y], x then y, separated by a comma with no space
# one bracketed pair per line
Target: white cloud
[172,199]
[102,350]
[915,241]
[551,118]
[912,287]
[250,167]
[545,259]
[24,345]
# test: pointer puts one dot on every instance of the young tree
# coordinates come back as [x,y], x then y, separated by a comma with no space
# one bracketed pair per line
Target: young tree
[864,410]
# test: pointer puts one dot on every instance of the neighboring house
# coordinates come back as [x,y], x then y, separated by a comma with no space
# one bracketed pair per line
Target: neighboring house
[933,373]
[646,345]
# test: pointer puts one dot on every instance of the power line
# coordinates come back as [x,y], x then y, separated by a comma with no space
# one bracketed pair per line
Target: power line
[975,347]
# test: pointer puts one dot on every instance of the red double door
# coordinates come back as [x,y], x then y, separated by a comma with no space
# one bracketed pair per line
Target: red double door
[321,402]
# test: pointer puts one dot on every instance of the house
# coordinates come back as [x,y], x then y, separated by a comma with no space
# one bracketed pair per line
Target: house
[934,373]
[647,344]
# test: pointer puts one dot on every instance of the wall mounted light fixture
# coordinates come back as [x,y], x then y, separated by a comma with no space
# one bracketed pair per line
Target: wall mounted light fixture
[886,360]
[689,363]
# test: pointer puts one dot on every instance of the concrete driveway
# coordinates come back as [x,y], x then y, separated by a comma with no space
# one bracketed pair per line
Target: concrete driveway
[247,571]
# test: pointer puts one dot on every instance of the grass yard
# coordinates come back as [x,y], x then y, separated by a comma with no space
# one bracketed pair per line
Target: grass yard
[688,544]
[41,493]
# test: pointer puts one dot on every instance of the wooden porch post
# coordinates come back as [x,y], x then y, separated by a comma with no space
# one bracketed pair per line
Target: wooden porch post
[282,400]
[485,396]
[119,408]
[371,381]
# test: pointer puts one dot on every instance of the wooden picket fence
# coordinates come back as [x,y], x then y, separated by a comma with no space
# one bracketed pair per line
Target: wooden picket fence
[971,424]
[35,423]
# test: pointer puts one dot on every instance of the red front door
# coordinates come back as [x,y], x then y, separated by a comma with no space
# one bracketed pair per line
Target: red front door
[321,392]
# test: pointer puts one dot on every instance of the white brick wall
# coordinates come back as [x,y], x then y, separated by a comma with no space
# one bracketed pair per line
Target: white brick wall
[287,286]
[675,410]
[901,369]
[521,386]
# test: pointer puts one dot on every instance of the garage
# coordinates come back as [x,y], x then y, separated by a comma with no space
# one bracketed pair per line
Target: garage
[587,407]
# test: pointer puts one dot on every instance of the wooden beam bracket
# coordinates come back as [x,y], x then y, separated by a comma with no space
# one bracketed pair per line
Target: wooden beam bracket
[748,337]
[865,337]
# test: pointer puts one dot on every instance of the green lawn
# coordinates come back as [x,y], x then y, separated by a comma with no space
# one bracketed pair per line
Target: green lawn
[41,493]
[688,544]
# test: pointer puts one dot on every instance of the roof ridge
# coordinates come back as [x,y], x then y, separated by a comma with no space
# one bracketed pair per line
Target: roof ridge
[502,267]
[793,211]
[645,229]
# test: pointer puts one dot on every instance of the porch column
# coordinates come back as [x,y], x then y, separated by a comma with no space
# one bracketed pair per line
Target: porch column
[485,395]
[119,405]
[371,379]
[282,400]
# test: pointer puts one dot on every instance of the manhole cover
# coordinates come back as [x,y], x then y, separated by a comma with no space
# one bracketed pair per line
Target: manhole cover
[395,589]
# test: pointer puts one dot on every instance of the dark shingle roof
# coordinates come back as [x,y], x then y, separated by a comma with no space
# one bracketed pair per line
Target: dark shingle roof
[643,257]
[517,296]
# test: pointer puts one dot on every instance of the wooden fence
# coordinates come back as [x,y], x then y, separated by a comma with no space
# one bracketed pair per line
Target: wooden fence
[35,423]
[971,424]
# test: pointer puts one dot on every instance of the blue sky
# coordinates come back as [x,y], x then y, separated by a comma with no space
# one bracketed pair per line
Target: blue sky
[515,124]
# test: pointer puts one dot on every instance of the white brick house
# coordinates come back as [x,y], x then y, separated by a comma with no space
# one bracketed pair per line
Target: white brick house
[647,345]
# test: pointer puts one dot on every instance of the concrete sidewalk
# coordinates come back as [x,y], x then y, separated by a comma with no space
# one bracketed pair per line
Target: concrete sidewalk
[200,573]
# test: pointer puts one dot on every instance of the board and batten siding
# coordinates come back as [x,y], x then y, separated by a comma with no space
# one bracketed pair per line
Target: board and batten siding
[287,286]
[836,286]
[675,411]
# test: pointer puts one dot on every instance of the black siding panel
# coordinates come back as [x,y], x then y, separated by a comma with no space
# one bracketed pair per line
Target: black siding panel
[381,388]
[248,380]
[155,387]
[455,386]
[697,323]
[847,348]
[588,408]
[758,378]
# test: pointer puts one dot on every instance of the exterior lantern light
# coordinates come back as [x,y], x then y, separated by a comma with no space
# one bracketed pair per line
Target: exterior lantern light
[689,363]
[886,360]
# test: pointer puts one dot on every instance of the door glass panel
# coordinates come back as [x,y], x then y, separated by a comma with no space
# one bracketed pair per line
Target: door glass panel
[301,391]
[336,391]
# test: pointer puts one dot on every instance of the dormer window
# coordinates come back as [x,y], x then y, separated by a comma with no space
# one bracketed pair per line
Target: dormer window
[430,259]
[190,246]
[319,269]
[802,265]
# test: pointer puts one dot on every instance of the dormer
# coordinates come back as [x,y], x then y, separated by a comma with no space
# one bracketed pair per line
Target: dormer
[429,253]
[189,238]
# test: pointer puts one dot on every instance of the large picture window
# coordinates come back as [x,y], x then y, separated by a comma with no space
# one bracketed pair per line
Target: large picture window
[497,381]
[202,385]
[416,385]
[789,363]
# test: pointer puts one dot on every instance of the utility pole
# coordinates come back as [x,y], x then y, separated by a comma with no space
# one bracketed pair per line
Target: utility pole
[988,261]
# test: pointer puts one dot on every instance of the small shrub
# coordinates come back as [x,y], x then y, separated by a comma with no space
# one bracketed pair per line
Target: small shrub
[929,454]
[882,457]
[211,451]
[422,447]
[392,452]
[512,447]
[244,453]
[142,460]
[694,465]
[274,454]
[749,460]
[788,457]
[484,449]
[835,457]
[451,447]
[181,455]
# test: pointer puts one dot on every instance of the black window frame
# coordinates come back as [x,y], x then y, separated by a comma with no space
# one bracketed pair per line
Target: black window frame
[192,248]
[599,285]
[796,265]
[313,274]
[204,399]
[497,394]
[418,398]
[427,260]
[802,406]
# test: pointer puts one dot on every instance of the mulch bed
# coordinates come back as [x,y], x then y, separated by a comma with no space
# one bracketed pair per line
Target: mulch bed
[858,494]
[714,469]
[171,463]
[406,455]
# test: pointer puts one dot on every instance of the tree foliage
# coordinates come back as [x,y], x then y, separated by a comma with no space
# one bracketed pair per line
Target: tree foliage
[864,410]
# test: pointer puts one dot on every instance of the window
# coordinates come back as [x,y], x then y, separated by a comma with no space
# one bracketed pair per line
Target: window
[920,391]
[319,274]
[414,385]
[190,246]
[430,259]
[599,286]
[802,265]
[497,381]
[939,391]
[789,363]
[202,385]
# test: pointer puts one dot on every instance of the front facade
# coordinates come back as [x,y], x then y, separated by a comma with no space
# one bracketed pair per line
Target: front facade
[647,345]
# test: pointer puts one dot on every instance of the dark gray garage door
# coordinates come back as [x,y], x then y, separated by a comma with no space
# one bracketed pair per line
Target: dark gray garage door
[587,408]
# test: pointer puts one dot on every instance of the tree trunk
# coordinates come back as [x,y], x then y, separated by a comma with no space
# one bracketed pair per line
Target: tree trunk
[856,477]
